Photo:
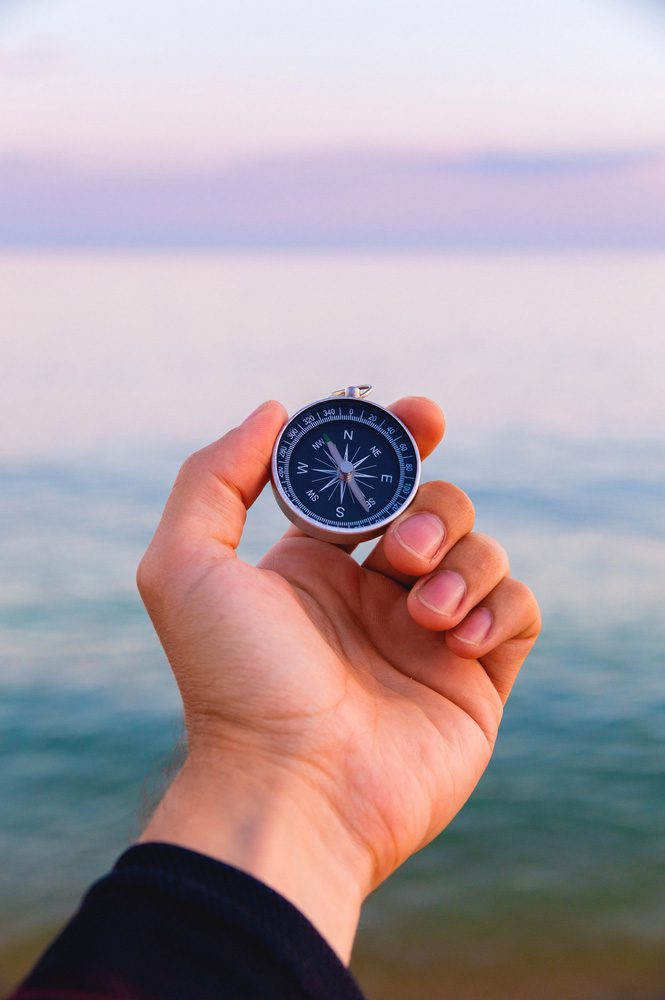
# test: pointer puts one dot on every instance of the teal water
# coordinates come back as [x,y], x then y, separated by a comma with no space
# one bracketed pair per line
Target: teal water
[554,873]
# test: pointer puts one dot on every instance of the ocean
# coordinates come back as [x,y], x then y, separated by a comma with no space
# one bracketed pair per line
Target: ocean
[550,884]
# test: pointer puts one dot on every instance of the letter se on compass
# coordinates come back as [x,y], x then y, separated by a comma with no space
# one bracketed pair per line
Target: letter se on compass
[344,468]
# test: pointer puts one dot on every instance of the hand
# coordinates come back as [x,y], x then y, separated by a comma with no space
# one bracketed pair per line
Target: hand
[338,715]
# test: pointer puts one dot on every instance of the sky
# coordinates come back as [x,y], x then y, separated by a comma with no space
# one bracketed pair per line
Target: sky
[364,122]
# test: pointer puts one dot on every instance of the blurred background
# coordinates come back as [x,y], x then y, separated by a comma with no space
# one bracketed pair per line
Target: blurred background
[205,205]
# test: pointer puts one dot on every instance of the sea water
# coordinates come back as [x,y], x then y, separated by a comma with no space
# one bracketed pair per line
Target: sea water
[551,881]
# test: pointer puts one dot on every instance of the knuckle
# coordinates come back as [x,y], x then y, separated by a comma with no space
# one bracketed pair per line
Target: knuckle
[490,553]
[464,505]
[146,576]
[426,491]
[526,598]
[189,467]
[521,593]
[448,499]
[153,573]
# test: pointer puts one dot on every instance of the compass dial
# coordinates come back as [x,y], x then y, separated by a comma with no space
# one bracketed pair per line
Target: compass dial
[343,468]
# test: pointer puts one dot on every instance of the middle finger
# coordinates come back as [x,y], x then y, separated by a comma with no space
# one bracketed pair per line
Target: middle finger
[470,571]
[440,515]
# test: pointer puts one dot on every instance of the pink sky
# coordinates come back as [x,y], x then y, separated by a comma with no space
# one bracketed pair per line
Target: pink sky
[428,122]
[611,199]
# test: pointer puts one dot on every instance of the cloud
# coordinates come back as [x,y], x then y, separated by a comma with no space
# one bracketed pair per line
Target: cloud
[344,199]
[553,162]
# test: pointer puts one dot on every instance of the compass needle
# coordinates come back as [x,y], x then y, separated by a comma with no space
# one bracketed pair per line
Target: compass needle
[359,495]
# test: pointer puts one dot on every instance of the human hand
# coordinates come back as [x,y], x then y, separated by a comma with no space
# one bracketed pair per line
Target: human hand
[338,716]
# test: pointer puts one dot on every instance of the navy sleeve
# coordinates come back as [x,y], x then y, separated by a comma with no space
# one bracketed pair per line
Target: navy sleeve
[170,924]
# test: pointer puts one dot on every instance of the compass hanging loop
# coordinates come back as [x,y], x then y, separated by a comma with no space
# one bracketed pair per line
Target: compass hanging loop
[353,391]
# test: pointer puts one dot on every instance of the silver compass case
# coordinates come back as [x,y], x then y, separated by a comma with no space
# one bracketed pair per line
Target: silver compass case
[392,453]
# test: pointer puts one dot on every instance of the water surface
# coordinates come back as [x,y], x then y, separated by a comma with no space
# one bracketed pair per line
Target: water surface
[551,882]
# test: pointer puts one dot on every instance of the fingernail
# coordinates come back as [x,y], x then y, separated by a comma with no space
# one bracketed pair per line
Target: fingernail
[476,627]
[443,592]
[421,534]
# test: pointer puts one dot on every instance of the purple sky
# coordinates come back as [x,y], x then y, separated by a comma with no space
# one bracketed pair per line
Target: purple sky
[418,123]
[610,199]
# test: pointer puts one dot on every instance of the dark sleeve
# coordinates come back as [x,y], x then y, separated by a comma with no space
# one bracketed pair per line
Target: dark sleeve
[170,924]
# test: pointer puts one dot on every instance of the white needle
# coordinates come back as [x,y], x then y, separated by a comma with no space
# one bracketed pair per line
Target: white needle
[358,493]
[346,467]
[334,451]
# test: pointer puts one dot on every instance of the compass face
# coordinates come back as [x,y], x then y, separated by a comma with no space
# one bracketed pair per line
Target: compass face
[345,466]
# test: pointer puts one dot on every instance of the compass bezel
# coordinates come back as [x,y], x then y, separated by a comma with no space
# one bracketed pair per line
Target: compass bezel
[339,535]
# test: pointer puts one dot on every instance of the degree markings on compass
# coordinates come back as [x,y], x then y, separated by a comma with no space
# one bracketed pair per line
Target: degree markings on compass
[329,473]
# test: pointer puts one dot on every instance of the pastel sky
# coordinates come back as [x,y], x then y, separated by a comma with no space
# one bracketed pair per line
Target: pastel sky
[258,103]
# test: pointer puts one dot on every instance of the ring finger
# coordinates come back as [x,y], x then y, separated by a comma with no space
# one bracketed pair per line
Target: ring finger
[471,569]
[414,544]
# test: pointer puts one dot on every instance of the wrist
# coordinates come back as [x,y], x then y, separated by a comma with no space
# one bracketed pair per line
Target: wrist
[267,819]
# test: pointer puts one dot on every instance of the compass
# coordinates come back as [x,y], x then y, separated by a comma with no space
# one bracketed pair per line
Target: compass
[344,468]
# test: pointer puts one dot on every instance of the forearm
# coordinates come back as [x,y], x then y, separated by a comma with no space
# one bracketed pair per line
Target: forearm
[244,880]
[266,820]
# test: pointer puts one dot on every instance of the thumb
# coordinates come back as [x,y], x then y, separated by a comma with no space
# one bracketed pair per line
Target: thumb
[217,484]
